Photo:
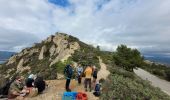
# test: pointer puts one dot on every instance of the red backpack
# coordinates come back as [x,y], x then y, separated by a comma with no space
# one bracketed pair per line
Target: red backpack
[81,96]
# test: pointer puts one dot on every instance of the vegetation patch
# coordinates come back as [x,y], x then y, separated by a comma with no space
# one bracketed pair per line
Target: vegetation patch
[125,85]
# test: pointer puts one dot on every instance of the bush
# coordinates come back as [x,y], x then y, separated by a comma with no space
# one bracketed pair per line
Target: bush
[158,72]
[122,72]
[167,72]
[119,87]
[127,58]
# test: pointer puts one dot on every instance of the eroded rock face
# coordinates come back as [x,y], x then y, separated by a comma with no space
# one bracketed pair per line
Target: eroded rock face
[32,51]
[52,50]
[20,65]
[11,60]
[43,50]
[49,39]
[63,52]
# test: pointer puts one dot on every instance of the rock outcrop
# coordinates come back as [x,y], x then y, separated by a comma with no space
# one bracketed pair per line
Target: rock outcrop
[20,65]
[40,58]
[43,50]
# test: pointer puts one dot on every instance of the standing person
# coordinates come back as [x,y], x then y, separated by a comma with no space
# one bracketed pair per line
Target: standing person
[68,71]
[88,75]
[94,75]
[79,73]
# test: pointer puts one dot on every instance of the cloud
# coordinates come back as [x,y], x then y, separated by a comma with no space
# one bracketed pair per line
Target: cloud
[142,24]
[15,40]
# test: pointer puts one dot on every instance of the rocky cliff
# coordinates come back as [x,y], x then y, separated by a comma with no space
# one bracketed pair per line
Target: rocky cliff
[49,57]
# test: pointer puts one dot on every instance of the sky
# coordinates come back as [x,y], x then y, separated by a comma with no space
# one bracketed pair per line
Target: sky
[141,24]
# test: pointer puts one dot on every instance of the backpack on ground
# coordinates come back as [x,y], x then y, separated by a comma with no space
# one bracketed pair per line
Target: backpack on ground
[40,84]
[81,96]
[97,90]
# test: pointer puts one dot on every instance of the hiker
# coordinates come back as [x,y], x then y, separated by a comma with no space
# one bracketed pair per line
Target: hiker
[97,91]
[68,71]
[88,75]
[79,73]
[16,88]
[30,80]
[94,75]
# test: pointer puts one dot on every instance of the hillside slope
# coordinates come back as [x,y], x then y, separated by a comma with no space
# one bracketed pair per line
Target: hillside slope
[155,81]
[48,58]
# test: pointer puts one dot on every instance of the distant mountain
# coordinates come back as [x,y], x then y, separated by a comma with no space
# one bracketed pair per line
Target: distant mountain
[159,59]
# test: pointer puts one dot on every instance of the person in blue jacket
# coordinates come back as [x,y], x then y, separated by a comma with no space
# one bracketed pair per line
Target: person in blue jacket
[68,71]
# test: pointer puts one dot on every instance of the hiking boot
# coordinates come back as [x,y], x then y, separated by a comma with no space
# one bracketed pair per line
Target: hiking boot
[68,90]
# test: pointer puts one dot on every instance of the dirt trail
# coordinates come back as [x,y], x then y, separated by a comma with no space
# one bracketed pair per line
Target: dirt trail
[103,72]
[56,87]
[155,81]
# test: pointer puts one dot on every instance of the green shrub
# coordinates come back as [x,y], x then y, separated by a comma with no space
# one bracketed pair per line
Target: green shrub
[121,86]
[158,72]
[167,72]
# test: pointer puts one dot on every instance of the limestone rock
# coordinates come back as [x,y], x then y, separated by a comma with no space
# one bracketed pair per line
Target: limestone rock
[60,76]
[20,65]
[52,50]
[65,53]
[11,60]
[43,49]
[49,39]
[32,51]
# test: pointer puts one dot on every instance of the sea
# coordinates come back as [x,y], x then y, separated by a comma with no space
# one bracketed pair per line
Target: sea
[1,62]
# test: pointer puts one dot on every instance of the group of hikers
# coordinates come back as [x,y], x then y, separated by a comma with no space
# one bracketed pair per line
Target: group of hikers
[33,85]
[90,75]
[21,87]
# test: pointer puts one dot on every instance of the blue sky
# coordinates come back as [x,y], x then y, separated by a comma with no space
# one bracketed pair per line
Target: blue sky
[141,24]
[62,3]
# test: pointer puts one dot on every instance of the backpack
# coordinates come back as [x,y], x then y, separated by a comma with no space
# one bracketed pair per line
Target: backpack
[68,71]
[97,88]
[81,96]
[95,73]
[40,84]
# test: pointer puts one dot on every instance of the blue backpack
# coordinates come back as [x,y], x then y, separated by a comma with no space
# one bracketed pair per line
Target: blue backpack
[97,88]
[68,71]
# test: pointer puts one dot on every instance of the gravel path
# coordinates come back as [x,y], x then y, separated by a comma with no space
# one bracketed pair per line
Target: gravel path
[155,81]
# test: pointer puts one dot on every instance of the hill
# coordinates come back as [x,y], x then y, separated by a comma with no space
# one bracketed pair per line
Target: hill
[48,59]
